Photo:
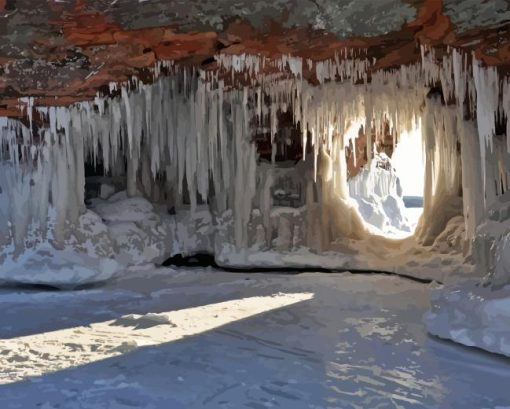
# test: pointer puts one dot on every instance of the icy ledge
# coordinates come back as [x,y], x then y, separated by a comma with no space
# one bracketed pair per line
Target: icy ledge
[86,256]
[476,313]
[120,232]
[472,315]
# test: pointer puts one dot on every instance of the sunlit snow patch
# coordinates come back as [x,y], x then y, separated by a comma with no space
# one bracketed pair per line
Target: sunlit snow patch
[39,354]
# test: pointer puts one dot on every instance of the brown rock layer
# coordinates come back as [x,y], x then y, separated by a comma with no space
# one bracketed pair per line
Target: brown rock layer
[86,50]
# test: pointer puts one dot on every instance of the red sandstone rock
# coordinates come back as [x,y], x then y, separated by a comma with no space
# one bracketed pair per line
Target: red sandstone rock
[88,49]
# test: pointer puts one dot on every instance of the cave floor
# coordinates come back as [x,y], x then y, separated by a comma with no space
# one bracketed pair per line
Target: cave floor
[200,338]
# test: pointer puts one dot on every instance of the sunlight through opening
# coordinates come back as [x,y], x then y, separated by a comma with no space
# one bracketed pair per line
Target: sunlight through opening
[388,191]
[408,162]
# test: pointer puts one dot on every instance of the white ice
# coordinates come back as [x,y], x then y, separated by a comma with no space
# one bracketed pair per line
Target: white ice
[378,193]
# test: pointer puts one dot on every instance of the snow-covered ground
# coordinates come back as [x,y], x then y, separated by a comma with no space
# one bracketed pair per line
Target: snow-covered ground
[169,339]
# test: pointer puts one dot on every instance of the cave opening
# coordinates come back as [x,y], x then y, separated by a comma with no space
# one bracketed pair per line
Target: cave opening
[287,169]
[409,163]
[388,188]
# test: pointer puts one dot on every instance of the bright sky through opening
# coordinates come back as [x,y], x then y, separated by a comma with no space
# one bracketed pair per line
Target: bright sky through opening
[408,161]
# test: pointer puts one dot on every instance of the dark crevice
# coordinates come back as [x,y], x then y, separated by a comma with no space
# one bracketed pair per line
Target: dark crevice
[28,287]
[205,260]
[10,5]
[208,61]
[457,348]
[195,260]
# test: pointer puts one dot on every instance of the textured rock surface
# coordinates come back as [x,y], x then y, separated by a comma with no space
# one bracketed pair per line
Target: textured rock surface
[468,14]
[63,52]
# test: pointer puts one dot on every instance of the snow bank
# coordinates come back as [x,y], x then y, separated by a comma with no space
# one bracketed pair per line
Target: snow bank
[502,259]
[281,242]
[120,208]
[477,313]
[85,256]
[144,233]
[472,315]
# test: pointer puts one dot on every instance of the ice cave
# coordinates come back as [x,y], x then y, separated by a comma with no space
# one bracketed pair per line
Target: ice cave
[218,204]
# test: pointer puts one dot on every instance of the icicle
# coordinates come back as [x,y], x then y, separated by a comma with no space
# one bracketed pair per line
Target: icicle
[430,68]
[487,103]
[506,109]
[129,119]
[459,75]
[296,66]
[29,104]
[189,129]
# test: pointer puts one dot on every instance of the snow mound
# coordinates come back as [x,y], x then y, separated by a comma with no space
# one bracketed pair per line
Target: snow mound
[87,256]
[122,209]
[143,321]
[502,259]
[473,315]
[60,268]
[145,234]
[476,313]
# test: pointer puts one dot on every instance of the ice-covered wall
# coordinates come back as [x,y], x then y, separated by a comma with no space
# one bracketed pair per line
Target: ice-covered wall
[186,142]
[442,195]
[46,234]
[475,313]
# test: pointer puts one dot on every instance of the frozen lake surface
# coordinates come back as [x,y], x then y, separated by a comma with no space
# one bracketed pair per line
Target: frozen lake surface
[209,339]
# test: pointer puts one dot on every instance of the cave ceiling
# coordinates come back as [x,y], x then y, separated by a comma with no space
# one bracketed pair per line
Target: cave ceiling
[64,51]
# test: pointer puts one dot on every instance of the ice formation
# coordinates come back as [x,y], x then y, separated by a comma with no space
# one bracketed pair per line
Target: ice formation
[187,144]
[472,314]
[378,194]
